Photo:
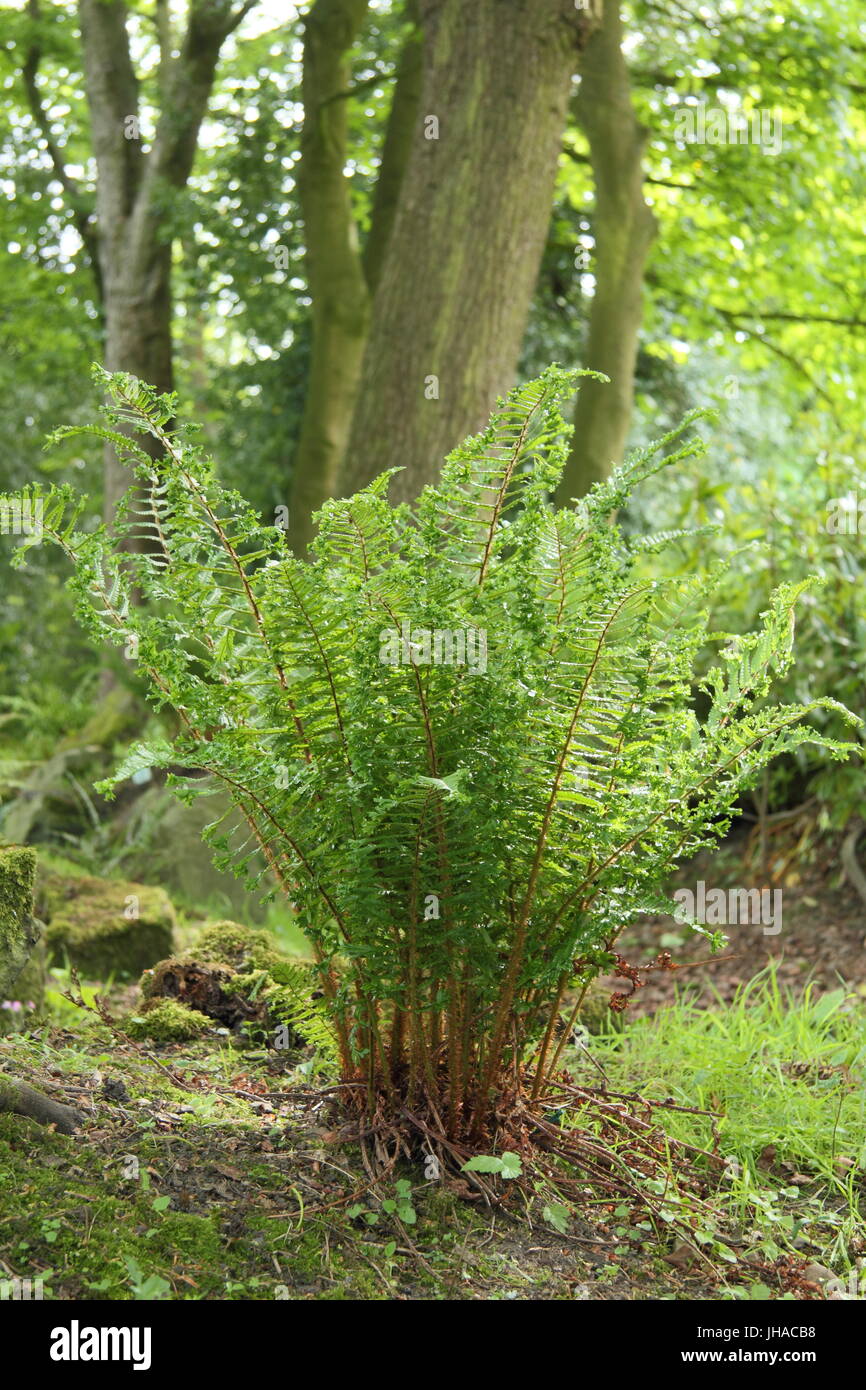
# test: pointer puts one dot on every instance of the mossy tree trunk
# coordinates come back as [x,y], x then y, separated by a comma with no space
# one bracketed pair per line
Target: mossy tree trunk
[18,931]
[624,228]
[342,278]
[335,273]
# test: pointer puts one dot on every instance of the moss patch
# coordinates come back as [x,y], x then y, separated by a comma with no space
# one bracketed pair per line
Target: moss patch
[17,875]
[217,1204]
[167,1021]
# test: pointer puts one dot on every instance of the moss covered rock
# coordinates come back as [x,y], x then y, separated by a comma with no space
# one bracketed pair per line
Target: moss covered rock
[208,989]
[19,930]
[107,927]
[23,1005]
[167,1021]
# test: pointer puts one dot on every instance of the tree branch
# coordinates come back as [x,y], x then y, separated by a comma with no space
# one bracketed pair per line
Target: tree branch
[79,204]
[793,318]
[647,178]
[164,37]
[112,94]
[735,322]
[363,86]
[187,88]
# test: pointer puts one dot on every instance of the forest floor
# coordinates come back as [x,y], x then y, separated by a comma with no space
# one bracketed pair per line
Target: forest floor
[205,1170]
[822,940]
[216,1175]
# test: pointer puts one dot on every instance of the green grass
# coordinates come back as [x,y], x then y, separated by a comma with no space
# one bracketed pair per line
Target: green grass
[785,1076]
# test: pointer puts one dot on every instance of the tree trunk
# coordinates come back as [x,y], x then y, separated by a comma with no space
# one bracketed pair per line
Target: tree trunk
[624,228]
[334,271]
[463,253]
[133,238]
[341,278]
[138,338]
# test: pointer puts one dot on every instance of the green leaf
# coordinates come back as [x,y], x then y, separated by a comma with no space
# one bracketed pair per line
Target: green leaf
[557,1215]
[507,1164]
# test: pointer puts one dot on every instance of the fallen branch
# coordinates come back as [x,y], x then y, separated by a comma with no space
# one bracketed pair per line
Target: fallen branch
[20,1099]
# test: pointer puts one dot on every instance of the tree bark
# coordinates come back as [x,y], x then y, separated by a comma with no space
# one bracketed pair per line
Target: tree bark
[134,242]
[464,250]
[396,149]
[135,278]
[624,228]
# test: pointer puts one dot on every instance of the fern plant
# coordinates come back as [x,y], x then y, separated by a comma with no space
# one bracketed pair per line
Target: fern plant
[466,740]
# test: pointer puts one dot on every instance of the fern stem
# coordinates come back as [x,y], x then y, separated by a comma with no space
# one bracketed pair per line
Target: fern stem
[572,1019]
[548,1033]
